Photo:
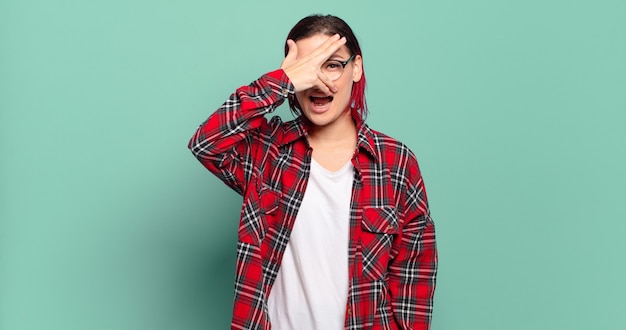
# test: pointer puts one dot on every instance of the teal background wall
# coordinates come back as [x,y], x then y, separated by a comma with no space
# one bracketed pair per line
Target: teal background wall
[515,109]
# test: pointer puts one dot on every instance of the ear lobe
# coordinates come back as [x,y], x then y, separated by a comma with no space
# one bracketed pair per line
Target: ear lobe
[357,68]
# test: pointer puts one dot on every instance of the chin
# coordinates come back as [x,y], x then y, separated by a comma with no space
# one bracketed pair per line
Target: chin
[317,120]
[324,119]
[320,123]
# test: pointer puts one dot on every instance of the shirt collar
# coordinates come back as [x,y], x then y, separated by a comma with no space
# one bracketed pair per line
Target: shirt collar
[296,129]
[367,142]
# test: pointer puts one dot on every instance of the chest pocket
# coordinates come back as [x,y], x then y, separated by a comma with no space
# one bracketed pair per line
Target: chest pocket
[259,207]
[378,229]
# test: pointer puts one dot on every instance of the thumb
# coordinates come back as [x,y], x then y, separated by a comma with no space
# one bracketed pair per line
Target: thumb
[293,51]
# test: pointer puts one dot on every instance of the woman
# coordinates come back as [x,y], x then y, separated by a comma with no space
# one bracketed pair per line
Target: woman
[335,230]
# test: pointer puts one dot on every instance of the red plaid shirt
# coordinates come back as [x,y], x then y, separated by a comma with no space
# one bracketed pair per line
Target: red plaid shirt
[392,252]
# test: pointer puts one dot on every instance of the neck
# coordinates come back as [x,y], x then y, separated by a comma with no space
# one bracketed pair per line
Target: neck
[334,144]
[342,130]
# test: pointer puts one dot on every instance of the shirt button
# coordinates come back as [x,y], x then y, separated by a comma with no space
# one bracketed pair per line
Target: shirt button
[390,227]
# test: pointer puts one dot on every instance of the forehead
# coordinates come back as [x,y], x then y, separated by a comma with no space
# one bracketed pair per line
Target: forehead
[309,44]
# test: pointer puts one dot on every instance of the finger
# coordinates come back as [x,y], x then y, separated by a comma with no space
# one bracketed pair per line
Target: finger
[327,85]
[323,88]
[292,53]
[330,46]
[324,50]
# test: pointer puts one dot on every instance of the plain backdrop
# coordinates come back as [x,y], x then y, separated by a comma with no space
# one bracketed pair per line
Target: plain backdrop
[515,110]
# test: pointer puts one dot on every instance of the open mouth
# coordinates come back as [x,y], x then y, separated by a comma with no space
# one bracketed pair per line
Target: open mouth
[321,100]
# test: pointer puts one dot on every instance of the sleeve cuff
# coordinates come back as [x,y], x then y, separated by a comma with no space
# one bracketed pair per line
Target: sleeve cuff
[280,83]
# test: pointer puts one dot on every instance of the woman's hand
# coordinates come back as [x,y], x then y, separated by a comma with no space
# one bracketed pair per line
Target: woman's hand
[305,72]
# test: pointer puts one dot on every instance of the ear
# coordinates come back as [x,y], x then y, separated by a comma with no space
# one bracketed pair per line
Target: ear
[357,68]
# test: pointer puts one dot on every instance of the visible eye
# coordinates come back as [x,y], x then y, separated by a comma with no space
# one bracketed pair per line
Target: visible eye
[332,66]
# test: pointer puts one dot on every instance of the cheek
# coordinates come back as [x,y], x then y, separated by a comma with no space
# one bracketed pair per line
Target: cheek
[344,93]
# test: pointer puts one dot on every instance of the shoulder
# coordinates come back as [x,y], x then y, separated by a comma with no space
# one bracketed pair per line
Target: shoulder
[391,151]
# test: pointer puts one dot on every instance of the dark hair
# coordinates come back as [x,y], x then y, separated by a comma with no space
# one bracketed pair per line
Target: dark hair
[331,25]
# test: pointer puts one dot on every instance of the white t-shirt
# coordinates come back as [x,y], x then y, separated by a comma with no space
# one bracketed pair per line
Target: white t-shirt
[311,289]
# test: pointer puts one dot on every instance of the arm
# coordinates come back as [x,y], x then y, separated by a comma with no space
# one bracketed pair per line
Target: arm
[225,142]
[413,272]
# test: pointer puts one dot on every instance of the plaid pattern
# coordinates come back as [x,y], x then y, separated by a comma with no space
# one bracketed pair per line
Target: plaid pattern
[392,252]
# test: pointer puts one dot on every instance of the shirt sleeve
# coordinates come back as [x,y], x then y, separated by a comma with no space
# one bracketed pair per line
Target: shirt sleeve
[226,142]
[412,274]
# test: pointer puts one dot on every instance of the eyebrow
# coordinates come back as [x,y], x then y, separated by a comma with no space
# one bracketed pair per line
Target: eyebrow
[336,57]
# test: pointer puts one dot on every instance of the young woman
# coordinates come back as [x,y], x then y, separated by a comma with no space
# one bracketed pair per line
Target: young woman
[335,231]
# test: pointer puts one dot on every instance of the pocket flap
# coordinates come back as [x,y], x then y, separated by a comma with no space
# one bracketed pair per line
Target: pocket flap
[380,220]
